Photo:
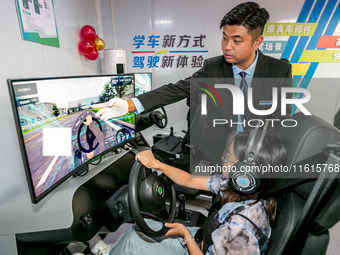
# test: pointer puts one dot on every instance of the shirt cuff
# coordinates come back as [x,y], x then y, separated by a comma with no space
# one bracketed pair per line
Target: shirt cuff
[138,105]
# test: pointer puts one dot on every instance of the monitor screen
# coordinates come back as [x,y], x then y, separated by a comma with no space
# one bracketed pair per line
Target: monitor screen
[58,131]
[143,83]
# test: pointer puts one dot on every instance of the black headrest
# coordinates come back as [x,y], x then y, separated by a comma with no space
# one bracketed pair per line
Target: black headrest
[308,138]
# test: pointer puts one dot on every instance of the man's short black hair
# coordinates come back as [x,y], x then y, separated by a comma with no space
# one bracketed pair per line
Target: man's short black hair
[249,15]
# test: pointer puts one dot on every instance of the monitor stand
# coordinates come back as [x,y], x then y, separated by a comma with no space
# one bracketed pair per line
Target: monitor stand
[55,212]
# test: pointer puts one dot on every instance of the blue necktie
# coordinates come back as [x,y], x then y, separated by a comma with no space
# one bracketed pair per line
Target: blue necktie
[243,85]
[244,88]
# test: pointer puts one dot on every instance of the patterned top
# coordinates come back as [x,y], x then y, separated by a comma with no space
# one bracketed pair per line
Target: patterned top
[236,235]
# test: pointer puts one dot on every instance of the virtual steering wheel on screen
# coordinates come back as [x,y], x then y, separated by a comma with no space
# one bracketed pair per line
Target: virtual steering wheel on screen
[90,137]
[123,135]
[147,196]
[158,118]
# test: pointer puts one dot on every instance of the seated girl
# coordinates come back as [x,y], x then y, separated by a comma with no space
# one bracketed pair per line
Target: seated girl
[240,223]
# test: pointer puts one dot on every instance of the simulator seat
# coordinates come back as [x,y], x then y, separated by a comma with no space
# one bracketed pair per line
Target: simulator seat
[309,206]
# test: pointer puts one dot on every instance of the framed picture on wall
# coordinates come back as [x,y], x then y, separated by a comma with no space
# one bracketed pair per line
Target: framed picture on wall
[37,21]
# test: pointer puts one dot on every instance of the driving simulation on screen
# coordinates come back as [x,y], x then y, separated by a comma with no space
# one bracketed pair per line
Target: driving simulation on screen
[59,128]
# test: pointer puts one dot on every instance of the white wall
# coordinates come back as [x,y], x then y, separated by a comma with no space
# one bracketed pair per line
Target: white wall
[192,17]
[122,19]
[179,17]
[24,59]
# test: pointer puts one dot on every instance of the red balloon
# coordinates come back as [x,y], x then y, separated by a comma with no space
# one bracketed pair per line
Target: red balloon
[93,55]
[88,32]
[86,46]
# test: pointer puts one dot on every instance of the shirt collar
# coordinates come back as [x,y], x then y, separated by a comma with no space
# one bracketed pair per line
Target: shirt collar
[250,70]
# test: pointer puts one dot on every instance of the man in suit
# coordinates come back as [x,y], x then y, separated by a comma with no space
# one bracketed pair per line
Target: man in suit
[241,64]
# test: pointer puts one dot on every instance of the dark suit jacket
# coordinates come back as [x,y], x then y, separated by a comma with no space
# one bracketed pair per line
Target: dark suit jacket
[269,73]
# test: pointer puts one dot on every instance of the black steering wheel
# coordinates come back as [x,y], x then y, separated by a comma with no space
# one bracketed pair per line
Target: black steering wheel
[148,192]
[90,137]
[159,119]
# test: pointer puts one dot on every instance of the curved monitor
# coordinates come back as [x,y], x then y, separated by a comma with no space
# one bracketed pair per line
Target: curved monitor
[58,131]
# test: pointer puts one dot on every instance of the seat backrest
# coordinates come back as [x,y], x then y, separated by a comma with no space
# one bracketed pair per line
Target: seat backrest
[308,138]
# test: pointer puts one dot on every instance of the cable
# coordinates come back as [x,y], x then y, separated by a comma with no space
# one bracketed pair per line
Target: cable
[94,164]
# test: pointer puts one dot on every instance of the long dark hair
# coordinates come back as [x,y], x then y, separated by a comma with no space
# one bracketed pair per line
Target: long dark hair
[272,153]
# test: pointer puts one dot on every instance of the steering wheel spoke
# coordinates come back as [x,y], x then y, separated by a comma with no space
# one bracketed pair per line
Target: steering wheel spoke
[164,213]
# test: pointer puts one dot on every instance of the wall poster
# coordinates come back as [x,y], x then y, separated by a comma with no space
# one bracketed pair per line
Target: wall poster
[37,21]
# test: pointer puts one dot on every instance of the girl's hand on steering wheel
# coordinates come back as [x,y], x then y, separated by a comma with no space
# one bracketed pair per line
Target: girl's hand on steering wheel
[148,159]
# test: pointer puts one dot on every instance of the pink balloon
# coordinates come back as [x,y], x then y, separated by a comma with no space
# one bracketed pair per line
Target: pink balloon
[88,32]
[86,46]
[93,55]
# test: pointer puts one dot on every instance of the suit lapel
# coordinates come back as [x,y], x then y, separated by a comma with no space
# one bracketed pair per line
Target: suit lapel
[262,68]
[227,70]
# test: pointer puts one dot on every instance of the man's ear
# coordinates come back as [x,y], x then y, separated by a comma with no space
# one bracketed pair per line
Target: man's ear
[258,41]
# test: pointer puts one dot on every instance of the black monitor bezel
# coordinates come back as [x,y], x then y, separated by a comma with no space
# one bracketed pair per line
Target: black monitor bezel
[74,172]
